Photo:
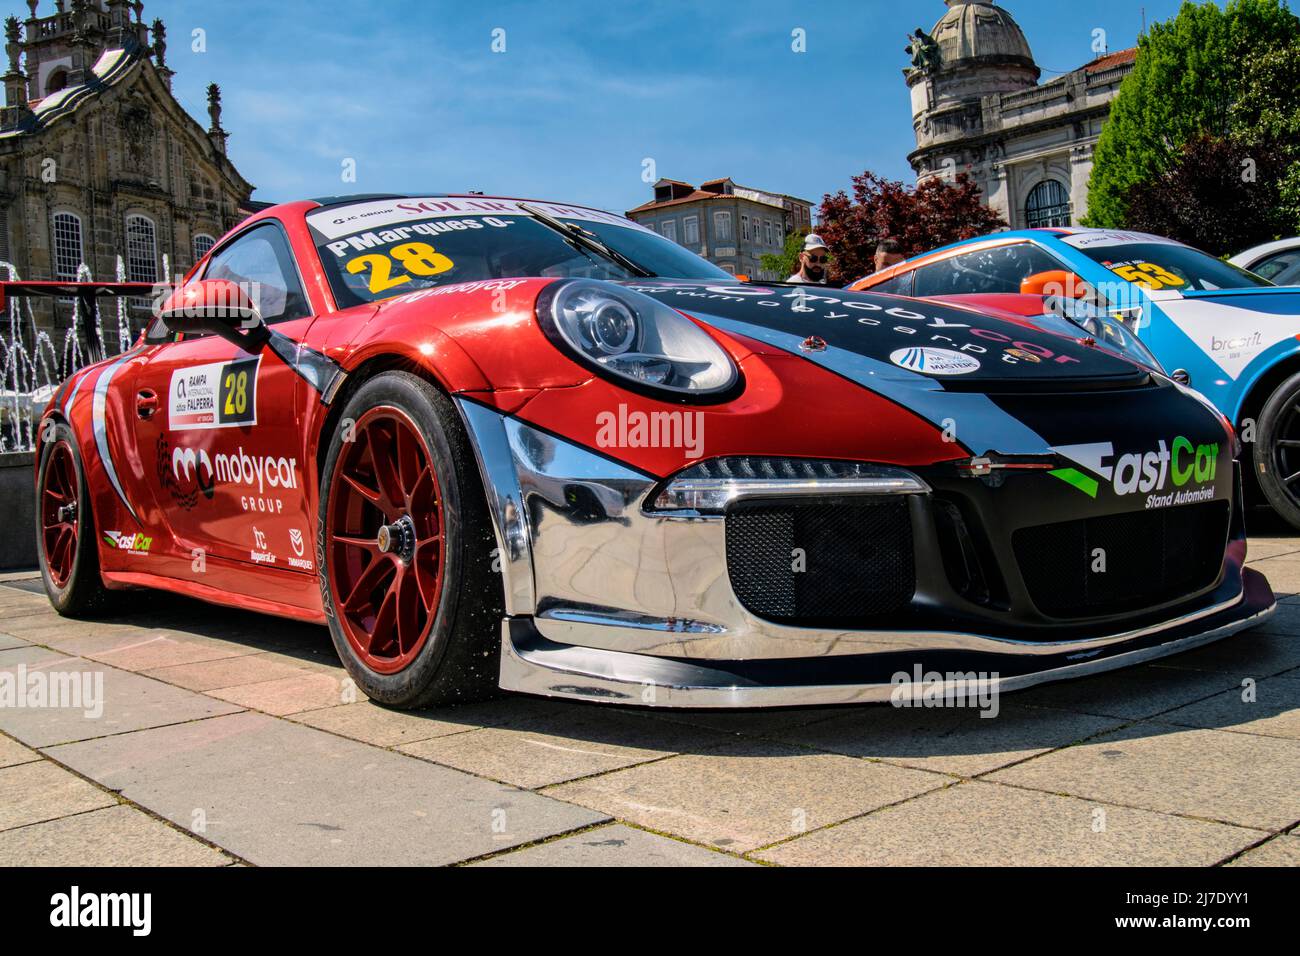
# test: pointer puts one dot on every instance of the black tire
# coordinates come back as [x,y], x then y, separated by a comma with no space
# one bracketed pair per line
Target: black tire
[83,593]
[1275,461]
[459,660]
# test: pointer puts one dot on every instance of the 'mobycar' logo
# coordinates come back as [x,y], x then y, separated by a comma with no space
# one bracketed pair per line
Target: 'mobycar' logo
[1178,463]
[134,543]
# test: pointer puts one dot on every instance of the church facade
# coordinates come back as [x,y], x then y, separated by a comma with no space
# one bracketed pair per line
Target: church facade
[97,158]
[978,107]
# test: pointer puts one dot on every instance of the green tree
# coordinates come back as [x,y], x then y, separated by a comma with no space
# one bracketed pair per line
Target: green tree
[786,262]
[1267,116]
[1186,83]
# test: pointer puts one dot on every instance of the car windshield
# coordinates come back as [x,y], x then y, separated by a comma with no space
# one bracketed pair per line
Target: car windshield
[1068,315]
[1167,265]
[379,249]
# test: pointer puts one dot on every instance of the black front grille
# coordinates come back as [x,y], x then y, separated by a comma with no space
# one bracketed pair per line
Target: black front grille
[1150,558]
[829,562]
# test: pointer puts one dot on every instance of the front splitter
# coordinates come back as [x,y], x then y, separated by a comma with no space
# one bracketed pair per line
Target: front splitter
[533,665]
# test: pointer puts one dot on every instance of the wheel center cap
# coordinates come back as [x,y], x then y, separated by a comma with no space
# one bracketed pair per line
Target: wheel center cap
[68,512]
[398,538]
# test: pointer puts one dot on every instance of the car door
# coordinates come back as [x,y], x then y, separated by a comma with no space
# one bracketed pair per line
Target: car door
[223,428]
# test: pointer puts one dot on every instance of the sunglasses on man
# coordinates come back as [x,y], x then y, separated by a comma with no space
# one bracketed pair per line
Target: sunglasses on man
[812,258]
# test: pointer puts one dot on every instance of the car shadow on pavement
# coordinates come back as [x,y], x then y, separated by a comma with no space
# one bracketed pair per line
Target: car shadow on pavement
[1231,685]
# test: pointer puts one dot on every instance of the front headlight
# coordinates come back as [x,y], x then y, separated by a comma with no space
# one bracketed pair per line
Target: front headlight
[635,339]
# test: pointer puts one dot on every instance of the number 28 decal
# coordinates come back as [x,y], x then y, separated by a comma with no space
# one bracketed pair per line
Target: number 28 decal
[417,258]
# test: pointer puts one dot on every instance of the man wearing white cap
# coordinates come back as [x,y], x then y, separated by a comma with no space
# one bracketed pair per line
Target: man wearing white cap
[812,262]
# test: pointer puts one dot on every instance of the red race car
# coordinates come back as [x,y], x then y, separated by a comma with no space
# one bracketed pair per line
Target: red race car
[494,442]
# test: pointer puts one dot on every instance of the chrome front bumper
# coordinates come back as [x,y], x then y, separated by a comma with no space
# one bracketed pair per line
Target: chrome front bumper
[605,601]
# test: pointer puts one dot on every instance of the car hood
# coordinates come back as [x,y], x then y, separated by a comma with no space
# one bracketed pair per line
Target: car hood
[903,341]
[1119,434]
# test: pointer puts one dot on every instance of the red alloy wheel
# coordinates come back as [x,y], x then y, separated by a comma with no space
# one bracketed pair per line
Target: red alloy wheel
[59,513]
[384,540]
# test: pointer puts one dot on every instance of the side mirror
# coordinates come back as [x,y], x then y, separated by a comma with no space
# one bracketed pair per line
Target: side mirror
[216,306]
[1059,282]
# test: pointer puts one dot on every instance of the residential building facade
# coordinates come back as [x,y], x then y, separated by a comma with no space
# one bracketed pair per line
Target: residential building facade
[98,159]
[732,226]
[978,108]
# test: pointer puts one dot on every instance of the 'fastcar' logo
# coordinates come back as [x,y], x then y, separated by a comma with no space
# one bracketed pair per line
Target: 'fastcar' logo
[134,543]
[1147,473]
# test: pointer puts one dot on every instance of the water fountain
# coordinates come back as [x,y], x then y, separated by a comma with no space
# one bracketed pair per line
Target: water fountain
[31,364]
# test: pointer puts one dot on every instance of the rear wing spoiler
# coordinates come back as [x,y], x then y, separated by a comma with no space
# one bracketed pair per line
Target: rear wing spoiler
[85,293]
[321,372]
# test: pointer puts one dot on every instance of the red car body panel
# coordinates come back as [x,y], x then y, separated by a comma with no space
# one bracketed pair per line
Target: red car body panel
[230,511]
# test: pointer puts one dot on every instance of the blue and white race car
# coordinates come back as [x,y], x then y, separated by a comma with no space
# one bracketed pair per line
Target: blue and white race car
[1228,333]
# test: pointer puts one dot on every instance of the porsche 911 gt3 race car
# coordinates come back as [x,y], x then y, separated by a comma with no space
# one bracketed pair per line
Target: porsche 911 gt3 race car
[536,446]
[1232,335]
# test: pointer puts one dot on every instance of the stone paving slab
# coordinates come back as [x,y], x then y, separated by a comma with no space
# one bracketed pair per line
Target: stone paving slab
[225,672]
[277,793]
[982,824]
[615,845]
[8,641]
[291,695]
[749,795]
[115,836]
[1259,548]
[130,702]
[34,792]
[1259,652]
[574,742]
[372,724]
[1274,711]
[15,618]
[1279,851]
[150,649]
[1132,693]
[752,723]
[1284,620]
[1236,778]
[1283,572]
[30,655]
[949,740]
[13,753]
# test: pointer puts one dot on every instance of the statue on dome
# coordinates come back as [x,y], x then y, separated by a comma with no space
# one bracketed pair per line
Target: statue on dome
[923,50]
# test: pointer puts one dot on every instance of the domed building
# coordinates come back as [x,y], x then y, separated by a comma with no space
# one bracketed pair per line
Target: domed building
[978,107]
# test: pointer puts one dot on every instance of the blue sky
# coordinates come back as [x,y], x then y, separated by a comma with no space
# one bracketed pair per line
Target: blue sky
[584,92]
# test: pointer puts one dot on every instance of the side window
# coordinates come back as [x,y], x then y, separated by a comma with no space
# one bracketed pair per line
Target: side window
[260,260]
[1276,264]
[900,284]
[999,269]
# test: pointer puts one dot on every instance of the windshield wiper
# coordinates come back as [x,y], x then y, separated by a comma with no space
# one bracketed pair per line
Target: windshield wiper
[588,240]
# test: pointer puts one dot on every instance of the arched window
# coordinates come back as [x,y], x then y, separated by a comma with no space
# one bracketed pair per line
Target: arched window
[1048,205]
[203,244]
[68,250]
[58,81]
[141,249]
